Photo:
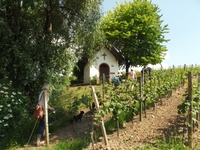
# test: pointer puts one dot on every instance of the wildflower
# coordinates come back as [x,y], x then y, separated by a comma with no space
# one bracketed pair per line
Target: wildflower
[5,125]
[5,88]
[6,117]
[10,115]
[19,92]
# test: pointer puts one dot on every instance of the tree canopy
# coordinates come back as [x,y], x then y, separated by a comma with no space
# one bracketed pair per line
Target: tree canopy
[136,29]
[42,39]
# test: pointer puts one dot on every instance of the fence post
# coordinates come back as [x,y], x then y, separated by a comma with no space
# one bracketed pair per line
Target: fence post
[198,79]
[102,122]
[103,93]
[141,97]
[198,116]
[160,99]
[46,118]
[190,116]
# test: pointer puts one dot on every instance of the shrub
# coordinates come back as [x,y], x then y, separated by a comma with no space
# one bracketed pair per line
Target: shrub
[13,114]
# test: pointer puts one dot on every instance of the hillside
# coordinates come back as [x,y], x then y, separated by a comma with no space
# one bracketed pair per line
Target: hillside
[164,121]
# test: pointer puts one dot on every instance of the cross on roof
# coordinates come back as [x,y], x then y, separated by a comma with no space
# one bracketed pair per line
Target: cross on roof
[104,55]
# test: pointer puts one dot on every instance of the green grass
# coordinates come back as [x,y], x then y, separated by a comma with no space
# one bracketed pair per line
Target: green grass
[75,144]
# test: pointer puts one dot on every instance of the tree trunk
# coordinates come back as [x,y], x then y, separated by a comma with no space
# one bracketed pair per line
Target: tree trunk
[48,24]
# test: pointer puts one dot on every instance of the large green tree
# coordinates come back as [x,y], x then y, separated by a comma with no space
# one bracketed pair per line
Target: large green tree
[42,39]
[136,29]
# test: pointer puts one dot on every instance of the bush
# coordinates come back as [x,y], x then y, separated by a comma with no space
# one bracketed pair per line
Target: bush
[13,114]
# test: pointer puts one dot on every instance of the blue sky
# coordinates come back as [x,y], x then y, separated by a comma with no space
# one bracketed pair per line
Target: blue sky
[183,19]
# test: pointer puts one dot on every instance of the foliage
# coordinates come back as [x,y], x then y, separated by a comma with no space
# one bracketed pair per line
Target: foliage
[124,106]
[93,80]
[42,40]
[123,101]
[184,107]
[85,100]
[136,29]
[13,114]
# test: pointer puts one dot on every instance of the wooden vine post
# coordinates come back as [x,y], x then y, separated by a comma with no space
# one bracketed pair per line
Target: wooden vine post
[103,88]
[190,121]
[141,98]
[184,75]
[198,79]
[153,94]
[159,85]
[198,116]
[102,122]
[46,117]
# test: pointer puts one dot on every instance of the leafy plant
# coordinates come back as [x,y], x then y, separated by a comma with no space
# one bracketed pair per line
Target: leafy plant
[13,113]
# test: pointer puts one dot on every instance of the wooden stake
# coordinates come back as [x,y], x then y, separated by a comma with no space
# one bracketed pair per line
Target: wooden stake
[103,93]
[190,127]
[141,98]
[102,122]
[46,117]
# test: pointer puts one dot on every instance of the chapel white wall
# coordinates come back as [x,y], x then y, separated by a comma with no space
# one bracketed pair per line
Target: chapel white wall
[92,69]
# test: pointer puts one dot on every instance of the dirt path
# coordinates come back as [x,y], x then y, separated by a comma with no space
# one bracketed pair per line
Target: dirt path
[159,122]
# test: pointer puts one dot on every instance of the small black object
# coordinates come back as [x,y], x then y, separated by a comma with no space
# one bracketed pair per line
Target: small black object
[77,117]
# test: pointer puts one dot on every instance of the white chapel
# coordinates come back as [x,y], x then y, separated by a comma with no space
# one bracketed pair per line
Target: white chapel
[106,62]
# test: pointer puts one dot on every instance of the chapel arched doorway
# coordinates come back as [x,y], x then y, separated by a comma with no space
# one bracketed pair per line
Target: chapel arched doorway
[104,69]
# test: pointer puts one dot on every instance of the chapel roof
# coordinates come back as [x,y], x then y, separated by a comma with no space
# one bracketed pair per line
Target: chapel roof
[116,54]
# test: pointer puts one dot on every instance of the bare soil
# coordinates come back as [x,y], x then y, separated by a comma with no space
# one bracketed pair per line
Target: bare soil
[163,121]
